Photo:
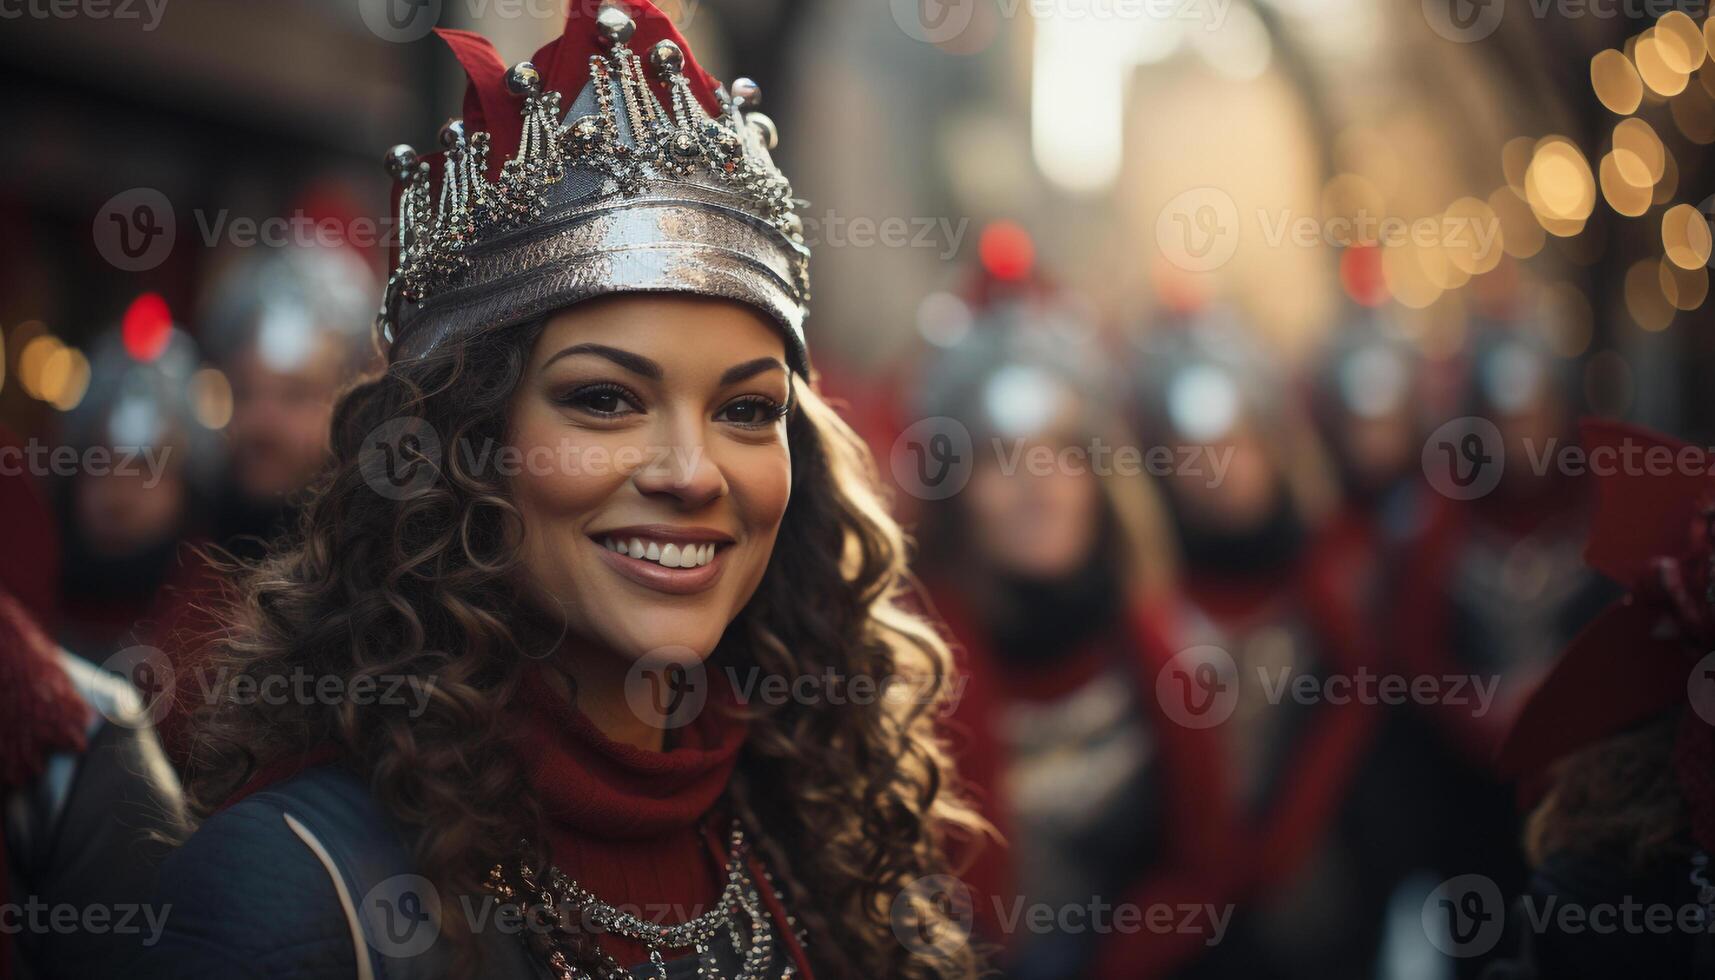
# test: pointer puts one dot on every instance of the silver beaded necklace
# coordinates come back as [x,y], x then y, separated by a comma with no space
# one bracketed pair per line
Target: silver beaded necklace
[559,899]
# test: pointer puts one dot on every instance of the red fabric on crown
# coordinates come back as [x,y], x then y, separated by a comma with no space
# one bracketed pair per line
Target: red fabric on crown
[488,106]
[565,61]
[564,64]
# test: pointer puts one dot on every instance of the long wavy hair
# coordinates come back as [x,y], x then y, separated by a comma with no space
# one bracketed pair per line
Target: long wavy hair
[850,805]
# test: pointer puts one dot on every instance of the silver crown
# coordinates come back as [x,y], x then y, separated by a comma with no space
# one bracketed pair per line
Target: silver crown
[627,194]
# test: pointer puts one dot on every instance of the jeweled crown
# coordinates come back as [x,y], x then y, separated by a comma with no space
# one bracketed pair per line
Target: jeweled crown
[657,178]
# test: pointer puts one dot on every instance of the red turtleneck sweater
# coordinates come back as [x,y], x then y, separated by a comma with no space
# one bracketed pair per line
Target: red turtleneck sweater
[626,823]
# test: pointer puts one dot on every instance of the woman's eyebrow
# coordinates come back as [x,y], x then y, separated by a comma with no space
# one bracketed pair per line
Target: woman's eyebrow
[750,369]
[635,363]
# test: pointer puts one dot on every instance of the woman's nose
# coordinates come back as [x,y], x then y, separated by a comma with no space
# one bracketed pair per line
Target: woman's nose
[681,468]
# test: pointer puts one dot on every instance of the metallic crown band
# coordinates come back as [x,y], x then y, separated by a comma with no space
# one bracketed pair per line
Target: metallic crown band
[628,196]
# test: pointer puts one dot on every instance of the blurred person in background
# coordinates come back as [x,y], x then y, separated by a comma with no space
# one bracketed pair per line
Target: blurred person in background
[1367,389]
[291,328]
[1616,746]
[1270,601]
[84,787]
[1051,568]
[1489,591]
[1366,399]
[146,471]
[288,329]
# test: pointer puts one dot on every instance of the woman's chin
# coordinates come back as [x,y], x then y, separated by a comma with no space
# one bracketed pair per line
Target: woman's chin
[687,645]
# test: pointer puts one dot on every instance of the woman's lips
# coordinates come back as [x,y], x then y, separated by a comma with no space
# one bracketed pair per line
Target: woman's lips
[654,575]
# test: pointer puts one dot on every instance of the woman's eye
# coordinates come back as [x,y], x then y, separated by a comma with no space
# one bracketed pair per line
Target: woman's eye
[606,400]
[754,410]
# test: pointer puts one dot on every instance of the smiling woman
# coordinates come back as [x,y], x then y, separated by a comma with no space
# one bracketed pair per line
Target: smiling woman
[698,390]
[583,793]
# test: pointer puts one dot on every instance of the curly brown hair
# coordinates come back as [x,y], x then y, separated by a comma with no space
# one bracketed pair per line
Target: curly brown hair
[850,805]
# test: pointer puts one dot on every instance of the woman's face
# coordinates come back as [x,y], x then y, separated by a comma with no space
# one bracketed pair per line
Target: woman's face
[653,469]
[1040,520]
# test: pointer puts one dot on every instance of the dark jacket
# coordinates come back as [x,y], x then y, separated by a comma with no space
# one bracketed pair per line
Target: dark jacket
[87,836]
[310,878]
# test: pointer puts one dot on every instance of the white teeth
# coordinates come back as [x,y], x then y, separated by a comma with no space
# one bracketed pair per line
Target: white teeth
[671,555]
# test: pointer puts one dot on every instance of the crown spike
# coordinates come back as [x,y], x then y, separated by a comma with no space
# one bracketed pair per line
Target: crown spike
[745,92]
[614,25]
[667,58]
[401,160]
[523,80]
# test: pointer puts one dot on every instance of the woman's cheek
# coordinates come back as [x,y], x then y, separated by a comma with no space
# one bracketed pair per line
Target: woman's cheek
[762,482]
